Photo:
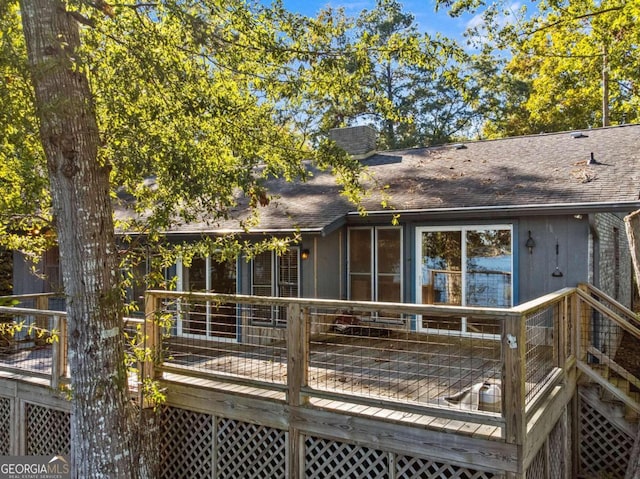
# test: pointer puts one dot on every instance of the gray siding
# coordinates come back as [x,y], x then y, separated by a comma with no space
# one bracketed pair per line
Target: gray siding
[24,280]
[323,273]
[535,270]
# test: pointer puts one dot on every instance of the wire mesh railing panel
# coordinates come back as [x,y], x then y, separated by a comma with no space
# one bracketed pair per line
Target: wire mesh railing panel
[367,355]
[26,342]
[48,431]
[229,339]
[614,306]
[609,344]
[540,355]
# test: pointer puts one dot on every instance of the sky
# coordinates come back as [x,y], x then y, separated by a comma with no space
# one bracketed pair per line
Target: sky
[427,19]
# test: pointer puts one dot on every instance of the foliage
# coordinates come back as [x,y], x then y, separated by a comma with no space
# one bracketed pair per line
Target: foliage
[11,328]
[566,62]
[410,85]
[198,106]
[6,271]
[24,201]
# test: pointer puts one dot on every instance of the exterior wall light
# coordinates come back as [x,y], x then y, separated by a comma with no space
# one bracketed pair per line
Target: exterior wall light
[530,243]
[304,254]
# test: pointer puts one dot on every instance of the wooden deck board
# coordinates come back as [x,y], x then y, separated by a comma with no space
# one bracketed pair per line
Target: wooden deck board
[421,370]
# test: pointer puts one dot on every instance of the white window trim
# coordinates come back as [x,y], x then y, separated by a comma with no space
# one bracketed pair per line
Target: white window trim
[180,287]
[418,272]
[275,287]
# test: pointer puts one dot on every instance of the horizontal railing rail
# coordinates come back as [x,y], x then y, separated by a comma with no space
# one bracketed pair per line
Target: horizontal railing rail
[34,340]
[608,341]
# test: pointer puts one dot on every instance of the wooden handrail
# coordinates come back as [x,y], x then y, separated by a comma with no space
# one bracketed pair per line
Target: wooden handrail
[543,301]
[368,306]
[624,324]
[592,290]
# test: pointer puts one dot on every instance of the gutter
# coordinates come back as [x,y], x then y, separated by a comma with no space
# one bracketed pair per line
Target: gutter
[325,230]
[508,210]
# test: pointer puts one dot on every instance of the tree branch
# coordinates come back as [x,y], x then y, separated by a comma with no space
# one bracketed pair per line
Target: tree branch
[578,17]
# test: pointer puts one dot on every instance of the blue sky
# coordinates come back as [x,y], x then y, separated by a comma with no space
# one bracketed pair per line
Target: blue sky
[423,10]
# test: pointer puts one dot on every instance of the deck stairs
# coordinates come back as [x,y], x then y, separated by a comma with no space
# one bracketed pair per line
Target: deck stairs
[609,387]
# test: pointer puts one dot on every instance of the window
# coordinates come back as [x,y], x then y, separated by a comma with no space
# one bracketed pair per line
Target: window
[52,275]
[208,319]
[465,266]
[275,275]
[375,266]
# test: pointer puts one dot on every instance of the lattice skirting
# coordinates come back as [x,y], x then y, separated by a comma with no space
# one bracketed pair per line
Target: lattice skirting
[48,431]
[5,426]
[604,449]
[326,458]
[195,445]
[553,460]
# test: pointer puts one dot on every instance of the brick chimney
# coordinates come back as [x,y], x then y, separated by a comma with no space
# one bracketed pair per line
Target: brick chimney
[358,141]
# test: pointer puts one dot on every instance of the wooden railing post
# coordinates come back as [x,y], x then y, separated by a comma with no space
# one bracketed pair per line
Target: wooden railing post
[297,378]
[298,352]
[152,340]
[513,379]
[59,351]
[42,303]
[583,321]
[572,326]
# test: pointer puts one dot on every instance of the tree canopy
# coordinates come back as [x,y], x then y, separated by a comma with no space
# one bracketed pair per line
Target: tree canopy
[569,65]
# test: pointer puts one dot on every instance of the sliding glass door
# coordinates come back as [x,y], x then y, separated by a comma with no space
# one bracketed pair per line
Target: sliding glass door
[464,266]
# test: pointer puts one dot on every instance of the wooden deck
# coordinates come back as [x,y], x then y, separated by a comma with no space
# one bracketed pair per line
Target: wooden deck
[411,368]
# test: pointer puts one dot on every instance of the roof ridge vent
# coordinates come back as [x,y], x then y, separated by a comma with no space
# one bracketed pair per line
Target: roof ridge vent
[578,134]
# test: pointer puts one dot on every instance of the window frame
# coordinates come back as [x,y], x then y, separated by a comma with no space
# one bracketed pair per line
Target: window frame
[374,272]
[463,229]
[180,286]
[278,316]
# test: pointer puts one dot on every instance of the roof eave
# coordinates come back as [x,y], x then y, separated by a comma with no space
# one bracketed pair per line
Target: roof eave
[508,210]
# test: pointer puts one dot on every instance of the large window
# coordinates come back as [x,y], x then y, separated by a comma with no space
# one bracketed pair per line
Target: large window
[375,264]
[465,266]
[208,318]
[275,275]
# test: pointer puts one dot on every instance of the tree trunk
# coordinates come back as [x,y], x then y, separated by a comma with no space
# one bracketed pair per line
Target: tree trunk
[102,417]
[632,224]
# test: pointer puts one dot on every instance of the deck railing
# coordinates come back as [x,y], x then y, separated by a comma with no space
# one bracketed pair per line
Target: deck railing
[478,365]
[483,366]
[607,345]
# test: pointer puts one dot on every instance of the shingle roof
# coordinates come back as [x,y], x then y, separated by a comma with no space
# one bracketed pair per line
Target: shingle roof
[546,169]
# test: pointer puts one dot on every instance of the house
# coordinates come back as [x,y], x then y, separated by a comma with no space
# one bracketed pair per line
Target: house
[461,384]
[483,223]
